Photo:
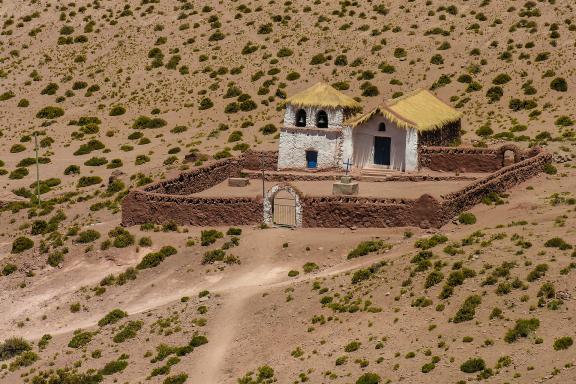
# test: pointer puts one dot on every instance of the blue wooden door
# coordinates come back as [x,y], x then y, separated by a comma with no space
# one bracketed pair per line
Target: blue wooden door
[311,159]
[382,146]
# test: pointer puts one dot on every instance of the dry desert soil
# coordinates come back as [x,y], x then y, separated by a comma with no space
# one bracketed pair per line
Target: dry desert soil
[138,85]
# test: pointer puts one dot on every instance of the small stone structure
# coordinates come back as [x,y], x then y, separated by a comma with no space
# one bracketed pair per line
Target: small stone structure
[172,200]
[345,187]
[238,181]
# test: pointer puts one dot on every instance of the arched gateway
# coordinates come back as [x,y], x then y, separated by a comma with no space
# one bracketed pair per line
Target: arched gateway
[282,206]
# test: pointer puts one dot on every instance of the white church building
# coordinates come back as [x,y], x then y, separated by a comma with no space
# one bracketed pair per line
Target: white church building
[324,129]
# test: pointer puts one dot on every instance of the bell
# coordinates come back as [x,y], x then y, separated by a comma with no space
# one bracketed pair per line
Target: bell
[301,120]
[322,121]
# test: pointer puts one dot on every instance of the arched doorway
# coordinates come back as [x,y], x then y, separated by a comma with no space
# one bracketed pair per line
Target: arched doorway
[301,118]
[282,206]
[284,209]
[509,158]
[322,119]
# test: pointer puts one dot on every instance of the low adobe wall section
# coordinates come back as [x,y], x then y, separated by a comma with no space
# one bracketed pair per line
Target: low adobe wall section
[171,200]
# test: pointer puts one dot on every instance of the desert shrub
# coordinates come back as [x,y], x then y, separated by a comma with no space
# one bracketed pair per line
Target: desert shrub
[235,136]
[177,379]
[7,95]
[145,241]
[112,317]
[268,129]
[473,365]
[430,242]
[80,339]
[318,59]
[22,244]
[210,236]
[13,347]
[25,359]
[352,346]
[87,236]
[564,121]
[43,342]
[23,103]
[310,267]
[293,273]
[369,378]
[549,169]
[50,89]
[114,367]
[557,242]
[154,259]
[467,218]
[144,122]
[18,173]
[234,231]
[421,302]
[523,328]
[9,269]
[72,170]
[50,112]
[494,94]
[55,258]
[468,309]
[433,278]
[559,84]
[86,181]
[366,247]
[502,78]
[122,238]
[563,343]
[117,110]
[128,331]
[538,272]
[213,256]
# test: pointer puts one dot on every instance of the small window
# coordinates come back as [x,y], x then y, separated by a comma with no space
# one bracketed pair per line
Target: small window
[301,118]
[382,127]
[322,119]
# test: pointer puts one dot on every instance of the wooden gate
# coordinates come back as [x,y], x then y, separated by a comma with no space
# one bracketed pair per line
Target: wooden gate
[284,209]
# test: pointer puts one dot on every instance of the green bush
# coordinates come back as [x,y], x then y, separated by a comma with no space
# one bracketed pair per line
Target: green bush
[117,110]
[87,236]
[128,331]
[433,278]
[114,367]
[523,328]
[121,237]
[563,343]
[86,181]
[72,170]
[55,258]
[50,112]
[9,269]
[112,317]
[473,365]
[210,236]
[368,378]
[366,247]
[144,122]
[234,231]
[22,244]
[154,259]
[178,379]
[557,242]
[268,129]
[17,148]
[467,218]
[18,173]
[13,347]
[559,84]
[549,169]
[538,272]
[213,256]
[468,309]
[25,359]
[80,339]
[310,267]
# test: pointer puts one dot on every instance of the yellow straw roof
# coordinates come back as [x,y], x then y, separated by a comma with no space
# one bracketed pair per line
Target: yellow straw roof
[323,95]
[419,109]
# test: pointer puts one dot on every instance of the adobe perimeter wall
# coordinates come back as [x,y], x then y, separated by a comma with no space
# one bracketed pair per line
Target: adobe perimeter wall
[465,159]
[170,200]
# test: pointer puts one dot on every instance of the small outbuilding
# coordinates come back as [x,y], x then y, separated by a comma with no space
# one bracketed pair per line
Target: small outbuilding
[323,129]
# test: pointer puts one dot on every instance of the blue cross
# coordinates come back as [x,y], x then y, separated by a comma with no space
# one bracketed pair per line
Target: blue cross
[348,164]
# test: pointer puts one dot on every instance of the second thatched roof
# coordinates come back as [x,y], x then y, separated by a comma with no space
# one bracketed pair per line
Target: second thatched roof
[420,110]
[324,96]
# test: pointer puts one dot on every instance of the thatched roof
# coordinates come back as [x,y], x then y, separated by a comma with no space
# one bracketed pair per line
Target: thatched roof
[419,109]
[324,96]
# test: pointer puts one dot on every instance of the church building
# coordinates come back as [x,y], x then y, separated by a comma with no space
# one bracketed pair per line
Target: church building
[324,129]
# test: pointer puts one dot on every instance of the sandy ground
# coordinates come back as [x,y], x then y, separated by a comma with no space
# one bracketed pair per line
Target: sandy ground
[390,189]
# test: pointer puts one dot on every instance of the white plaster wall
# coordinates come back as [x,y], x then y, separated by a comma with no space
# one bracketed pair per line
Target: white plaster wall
[335,116]
[363,137]
[411,150]
[347,146]
[293,146]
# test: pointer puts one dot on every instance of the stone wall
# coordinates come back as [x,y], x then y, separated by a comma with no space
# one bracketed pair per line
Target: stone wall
[141,207]
[255,159]
[446,135]
[460,159]
[337,211]
[499,181]
[170,200]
